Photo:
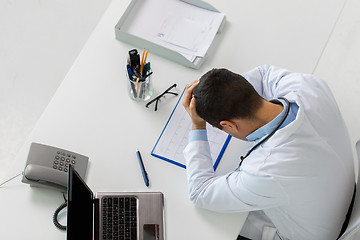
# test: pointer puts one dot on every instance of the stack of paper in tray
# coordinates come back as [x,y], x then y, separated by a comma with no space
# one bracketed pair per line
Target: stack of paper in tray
[176,25]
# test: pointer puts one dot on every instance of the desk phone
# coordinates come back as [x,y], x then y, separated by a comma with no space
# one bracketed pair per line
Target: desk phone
[48,166]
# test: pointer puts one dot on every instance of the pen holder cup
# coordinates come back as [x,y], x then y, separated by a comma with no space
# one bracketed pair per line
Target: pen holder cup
[140,89]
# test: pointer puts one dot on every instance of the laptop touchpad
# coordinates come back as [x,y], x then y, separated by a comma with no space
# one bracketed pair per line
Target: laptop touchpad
[151,232]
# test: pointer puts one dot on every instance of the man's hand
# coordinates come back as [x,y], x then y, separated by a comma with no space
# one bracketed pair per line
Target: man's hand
[189,103]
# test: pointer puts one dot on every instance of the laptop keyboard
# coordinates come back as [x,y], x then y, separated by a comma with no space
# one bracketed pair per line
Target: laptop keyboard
[119,218]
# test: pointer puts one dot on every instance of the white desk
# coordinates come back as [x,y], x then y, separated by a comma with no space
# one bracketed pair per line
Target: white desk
[92,114]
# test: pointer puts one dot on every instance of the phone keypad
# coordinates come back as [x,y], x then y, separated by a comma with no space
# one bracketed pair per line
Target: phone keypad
[62,161]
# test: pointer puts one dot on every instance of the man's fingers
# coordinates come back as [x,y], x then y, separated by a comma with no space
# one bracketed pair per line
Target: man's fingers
[187,99]
[189,94]
[189,103]
[192,104]
[192,85]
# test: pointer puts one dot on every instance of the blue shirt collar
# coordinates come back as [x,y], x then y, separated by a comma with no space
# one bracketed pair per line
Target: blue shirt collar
[269,127]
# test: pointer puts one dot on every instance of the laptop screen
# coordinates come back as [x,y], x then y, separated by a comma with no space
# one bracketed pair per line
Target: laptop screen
[79,209]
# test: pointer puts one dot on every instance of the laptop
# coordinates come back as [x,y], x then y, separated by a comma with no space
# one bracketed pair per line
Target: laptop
[116,216]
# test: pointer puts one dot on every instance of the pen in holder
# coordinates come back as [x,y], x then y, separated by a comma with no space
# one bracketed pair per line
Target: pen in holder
[139,76]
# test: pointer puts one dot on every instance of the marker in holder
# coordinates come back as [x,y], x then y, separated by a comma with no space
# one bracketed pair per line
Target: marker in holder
[139,75]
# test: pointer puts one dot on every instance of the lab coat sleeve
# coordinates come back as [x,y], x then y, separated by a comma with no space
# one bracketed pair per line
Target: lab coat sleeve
[273,82]
[234,192]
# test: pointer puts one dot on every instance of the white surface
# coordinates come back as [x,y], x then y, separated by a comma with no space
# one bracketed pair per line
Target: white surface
[275,33]
[39,41]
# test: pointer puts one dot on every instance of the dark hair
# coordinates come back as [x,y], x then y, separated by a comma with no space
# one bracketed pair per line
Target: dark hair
[223,95]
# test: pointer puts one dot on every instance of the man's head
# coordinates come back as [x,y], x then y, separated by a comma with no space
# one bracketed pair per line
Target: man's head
[224,95]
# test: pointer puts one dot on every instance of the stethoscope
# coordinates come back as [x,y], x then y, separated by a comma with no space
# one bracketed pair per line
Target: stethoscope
[287,109]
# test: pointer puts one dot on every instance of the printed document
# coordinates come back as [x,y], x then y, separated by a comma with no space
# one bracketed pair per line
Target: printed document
[176,25]
[174,138]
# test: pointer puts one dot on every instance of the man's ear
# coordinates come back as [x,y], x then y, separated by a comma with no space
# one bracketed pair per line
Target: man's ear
[228,125]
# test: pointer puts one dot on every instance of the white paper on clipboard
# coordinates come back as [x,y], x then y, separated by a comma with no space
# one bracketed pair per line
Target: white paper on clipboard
[174,138]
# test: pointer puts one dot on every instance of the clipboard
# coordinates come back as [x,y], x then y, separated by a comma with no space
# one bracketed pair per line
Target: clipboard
[174,138]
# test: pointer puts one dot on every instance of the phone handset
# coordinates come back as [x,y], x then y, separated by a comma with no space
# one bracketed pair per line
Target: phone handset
[44,174]
[48,166]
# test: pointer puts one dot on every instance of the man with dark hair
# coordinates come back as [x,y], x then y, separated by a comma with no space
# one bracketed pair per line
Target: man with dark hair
[214,107]
[297,180]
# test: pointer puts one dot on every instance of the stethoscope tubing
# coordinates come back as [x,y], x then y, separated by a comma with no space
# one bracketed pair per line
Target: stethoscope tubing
[270,134]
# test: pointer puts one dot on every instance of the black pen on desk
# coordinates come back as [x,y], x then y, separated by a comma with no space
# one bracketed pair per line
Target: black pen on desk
[146,179]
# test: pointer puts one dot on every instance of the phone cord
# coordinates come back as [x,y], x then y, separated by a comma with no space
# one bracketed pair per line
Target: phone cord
[56,213]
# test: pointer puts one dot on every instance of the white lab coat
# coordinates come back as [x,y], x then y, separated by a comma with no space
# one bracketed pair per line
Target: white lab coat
[302,177]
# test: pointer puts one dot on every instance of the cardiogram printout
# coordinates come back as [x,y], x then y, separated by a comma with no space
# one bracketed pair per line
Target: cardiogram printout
[174,138]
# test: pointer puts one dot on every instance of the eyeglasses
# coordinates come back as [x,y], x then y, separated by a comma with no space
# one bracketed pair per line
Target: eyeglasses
[157,99]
